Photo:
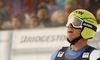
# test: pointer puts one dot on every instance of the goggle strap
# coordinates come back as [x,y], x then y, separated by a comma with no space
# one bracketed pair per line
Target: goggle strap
[75,40]
[89,26]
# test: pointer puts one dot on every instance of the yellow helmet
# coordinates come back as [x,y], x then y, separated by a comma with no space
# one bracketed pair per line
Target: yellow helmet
[89,25]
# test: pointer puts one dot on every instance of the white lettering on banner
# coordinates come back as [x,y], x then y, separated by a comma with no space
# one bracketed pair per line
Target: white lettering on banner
[26,39]
[55,37]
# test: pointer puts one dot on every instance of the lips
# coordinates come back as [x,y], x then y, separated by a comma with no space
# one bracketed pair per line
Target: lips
[70,31]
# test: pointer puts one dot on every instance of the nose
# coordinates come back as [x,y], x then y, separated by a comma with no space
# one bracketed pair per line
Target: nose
[70,26]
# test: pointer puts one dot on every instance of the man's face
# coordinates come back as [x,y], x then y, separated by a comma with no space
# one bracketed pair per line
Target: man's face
[42,13]
[61,18]
[69,7]
[1,3]
[33,23]
[16,23]
[98,15]
[73,33]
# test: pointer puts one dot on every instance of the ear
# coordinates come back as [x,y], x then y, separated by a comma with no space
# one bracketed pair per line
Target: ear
[87,33]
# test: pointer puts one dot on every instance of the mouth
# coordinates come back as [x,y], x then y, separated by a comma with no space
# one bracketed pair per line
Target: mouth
[70,31]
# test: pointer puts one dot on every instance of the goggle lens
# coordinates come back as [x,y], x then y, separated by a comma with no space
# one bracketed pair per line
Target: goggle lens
[75,21]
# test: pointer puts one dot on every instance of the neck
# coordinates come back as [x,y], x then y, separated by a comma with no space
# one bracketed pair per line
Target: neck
[81,43]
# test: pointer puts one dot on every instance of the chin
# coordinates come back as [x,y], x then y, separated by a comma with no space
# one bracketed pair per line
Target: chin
[69,35]
[69,39]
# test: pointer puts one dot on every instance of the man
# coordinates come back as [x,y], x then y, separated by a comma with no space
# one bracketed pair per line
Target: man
[43,16]
[18,21]
[98,16]
[81,26]
[34,22]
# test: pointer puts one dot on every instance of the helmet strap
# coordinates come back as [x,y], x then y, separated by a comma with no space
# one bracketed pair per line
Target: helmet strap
[74,41]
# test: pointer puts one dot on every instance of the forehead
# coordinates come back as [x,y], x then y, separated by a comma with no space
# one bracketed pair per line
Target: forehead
[42,9]
[14,18]
[32,19]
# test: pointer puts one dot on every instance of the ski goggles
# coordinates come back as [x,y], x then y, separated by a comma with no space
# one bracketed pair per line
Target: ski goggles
[75,21]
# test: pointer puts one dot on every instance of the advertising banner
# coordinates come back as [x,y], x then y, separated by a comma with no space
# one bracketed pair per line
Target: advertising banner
[37,44]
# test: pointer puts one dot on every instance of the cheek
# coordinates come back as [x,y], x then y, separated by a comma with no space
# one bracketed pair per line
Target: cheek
[33,23]
[39,14]
[77,33]
[19,23]
[13,23]
[60,18]
[98,16]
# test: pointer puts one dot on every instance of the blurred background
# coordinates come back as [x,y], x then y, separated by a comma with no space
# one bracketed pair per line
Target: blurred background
[34,29]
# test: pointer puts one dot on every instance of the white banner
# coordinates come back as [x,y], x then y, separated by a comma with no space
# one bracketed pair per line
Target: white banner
[5,44]
[37,44]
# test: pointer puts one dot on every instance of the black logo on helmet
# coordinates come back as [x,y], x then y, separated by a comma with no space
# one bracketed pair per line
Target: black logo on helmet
[80,12]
